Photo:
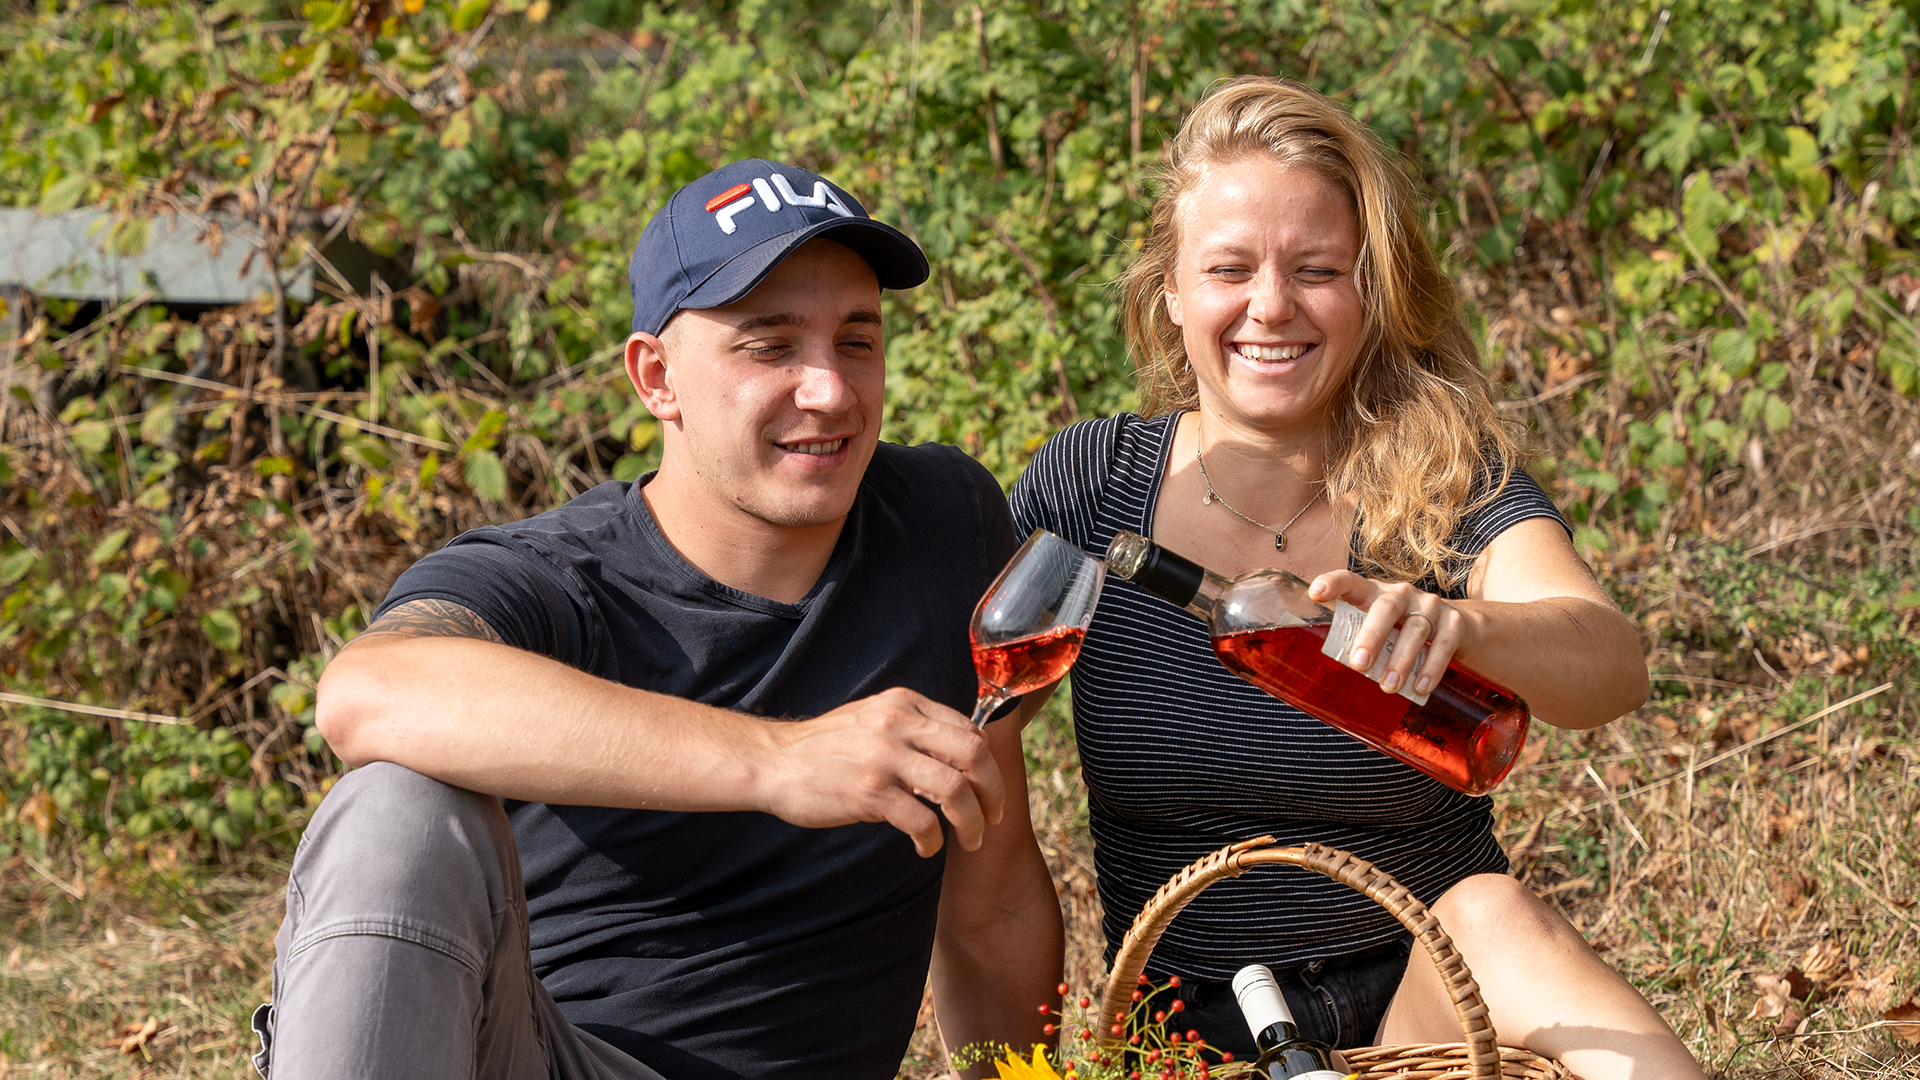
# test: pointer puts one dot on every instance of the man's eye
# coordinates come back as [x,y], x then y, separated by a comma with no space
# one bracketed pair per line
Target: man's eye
[765,352]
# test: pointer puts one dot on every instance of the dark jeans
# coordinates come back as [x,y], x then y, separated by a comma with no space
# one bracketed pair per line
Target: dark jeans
[1339,1002]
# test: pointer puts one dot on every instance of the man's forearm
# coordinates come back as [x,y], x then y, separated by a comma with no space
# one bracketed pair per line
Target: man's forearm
[501,720]
[999,951]
[988,986]
[495,719]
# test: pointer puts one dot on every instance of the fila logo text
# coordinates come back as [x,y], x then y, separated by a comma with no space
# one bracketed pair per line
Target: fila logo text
[734,201]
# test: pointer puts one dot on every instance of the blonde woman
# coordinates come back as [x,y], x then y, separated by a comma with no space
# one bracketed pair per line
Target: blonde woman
[1313,400]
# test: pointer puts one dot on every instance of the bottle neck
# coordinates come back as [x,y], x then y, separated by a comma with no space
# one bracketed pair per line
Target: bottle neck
[1281,1033]
[1171,577]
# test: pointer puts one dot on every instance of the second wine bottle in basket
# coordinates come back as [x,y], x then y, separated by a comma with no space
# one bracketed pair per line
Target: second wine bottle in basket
[1284,1055]
[1465,733]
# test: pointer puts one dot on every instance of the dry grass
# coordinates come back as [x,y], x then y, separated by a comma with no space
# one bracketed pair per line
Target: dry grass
[106,983]
[1788,866]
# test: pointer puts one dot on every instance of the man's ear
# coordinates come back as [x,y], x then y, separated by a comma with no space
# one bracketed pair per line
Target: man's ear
[647,370]
[1172,295]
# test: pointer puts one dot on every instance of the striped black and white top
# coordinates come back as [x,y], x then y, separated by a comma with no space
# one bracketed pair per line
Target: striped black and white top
[1181,757]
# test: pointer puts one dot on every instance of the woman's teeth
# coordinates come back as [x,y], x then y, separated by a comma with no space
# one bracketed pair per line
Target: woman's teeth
[1272,352]
[817,447]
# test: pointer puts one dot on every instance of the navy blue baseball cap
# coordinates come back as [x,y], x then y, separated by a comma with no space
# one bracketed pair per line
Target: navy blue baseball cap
[719,236]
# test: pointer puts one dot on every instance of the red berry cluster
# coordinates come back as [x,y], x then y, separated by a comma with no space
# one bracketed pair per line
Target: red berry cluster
[1134,1043]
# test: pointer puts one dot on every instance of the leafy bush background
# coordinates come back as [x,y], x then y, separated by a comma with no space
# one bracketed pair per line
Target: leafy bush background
[1688,231]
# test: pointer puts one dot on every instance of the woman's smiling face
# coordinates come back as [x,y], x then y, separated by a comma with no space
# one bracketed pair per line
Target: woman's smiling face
[1263,290]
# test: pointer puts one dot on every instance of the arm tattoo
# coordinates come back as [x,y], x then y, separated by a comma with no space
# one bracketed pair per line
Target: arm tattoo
[431,618]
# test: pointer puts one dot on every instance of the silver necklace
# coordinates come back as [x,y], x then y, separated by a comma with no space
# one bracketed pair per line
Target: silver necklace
[1212,496]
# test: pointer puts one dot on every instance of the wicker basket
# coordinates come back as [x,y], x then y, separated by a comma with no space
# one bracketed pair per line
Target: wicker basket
[1480,1057]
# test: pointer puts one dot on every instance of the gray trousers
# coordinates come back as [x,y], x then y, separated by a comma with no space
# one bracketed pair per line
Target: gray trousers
[404,951]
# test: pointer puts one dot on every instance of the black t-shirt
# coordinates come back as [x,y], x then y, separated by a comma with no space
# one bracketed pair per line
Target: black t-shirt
[733,944]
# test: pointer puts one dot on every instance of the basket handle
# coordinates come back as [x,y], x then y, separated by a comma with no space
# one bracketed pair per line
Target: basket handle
[1344,867]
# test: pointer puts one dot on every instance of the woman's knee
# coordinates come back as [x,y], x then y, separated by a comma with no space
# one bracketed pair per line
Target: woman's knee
[1497,908]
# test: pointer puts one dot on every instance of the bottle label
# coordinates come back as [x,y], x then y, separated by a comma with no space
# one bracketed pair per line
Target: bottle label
[1346,627]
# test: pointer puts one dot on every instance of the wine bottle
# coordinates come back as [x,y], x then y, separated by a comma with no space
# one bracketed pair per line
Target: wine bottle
[1284,1055]
[1465,733]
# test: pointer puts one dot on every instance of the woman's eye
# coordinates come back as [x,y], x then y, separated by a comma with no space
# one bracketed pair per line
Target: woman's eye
[1231,272]
[1319,273]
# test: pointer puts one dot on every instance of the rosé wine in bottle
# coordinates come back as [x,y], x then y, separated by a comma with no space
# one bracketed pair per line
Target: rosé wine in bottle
[1465,734]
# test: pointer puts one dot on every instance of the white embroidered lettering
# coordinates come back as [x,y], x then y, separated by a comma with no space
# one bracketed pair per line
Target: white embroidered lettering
[766,193]
[794,198]
[726,213]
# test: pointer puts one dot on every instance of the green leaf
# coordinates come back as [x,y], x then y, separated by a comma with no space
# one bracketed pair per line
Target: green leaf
[64,194]
[328,16]
[222,627]
[1703,210]
[15,564]
[459,130]
[157,426]
[164,54]
[225,830]
[109,546]
[485,475]
[1734,351]
[630,467]
[1598,479]
[468,15]
[1778,414]
[487,435]
[241,804]
[129,237]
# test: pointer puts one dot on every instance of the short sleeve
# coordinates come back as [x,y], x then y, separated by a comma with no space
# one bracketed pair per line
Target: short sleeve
[1060,489]
[521,595]
[1520,500]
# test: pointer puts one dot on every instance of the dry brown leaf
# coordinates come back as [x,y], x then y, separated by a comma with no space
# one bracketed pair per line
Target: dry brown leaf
[39,811]
[1825,963]
[138,1036]
[1562,366]
[1906,1020]
[100,107]
[1617,776]
[1869,991]
[1779,999]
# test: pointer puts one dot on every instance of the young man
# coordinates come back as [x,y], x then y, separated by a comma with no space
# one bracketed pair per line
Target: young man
[712,887]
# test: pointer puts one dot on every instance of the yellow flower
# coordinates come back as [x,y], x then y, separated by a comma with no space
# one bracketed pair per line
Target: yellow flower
[1013,1067]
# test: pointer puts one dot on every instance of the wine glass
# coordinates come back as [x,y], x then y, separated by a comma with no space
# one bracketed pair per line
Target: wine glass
[1027,629]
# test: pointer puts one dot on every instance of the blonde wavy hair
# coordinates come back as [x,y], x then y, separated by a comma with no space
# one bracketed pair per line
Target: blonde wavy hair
[1414,434]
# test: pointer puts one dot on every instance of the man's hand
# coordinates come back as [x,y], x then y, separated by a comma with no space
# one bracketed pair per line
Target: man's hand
[877,759]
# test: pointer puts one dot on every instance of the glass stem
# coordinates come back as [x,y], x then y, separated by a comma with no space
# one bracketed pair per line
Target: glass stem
[985,706]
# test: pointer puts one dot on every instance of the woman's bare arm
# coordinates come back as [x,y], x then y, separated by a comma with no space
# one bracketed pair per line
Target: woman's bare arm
[1535,621]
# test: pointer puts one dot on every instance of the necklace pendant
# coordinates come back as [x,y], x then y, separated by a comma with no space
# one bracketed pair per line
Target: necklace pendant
[1279,541]
[1207,499]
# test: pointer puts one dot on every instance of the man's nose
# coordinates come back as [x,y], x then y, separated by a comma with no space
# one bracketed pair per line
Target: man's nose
[823,386]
